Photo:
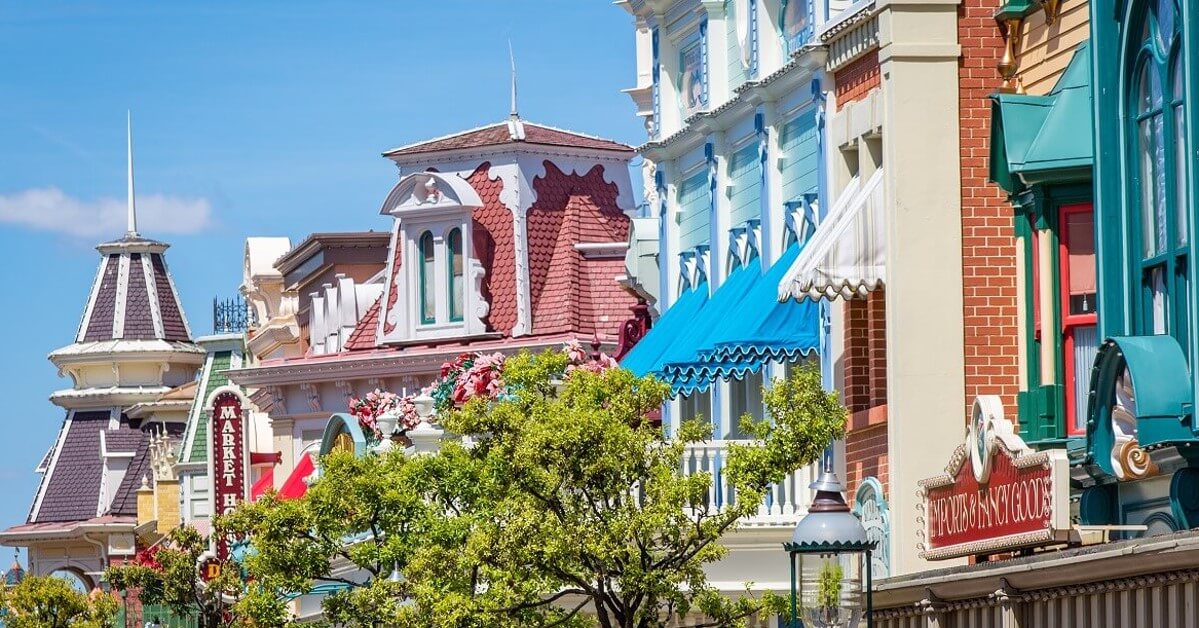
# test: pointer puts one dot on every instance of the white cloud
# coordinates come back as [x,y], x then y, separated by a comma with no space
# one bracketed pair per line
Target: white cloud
[49,209]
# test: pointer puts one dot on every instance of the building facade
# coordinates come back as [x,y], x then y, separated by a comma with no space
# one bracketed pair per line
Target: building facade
[131,364]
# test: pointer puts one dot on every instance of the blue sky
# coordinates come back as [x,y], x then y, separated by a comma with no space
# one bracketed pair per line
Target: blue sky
[248,120]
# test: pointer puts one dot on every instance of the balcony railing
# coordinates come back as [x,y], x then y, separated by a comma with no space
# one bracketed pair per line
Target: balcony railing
[231,316]
[785,504]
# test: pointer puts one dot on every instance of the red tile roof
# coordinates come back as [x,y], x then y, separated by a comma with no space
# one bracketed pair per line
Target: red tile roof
[492,232]
[568,292]
[393,286]
[570,209]
[498,134]
[363,336]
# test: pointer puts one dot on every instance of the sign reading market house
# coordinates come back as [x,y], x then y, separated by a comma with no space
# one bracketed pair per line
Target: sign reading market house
[996,494]
[227,431]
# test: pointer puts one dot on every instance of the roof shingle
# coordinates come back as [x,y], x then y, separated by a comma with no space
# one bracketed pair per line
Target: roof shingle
[499,134]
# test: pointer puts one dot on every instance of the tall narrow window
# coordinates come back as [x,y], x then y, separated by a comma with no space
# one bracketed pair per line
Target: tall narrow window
[1080,337]
[454,255]
[1156,128]
[796,23]
[428,289]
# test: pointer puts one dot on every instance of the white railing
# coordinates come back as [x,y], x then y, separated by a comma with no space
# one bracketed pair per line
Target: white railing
[785,504]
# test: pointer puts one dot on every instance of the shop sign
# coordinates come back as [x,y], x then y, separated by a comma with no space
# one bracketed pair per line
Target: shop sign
[227,431]
[996,494]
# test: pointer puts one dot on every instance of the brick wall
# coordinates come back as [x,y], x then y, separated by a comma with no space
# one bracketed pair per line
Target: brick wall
[865,388]
[865,456]
[856,79]
[988,242]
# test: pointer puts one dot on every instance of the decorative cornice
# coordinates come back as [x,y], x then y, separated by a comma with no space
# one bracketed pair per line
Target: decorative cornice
[801,66]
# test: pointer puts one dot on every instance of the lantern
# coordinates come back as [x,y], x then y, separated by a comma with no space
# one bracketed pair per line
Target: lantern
[830,562]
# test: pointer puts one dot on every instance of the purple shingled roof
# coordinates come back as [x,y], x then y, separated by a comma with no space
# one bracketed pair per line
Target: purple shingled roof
[72,487]
[99,325]
[172,315]
[139,319]
[124,502]
[129,294]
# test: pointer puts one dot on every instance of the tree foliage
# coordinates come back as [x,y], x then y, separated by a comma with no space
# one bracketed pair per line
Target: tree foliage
[51,602]
[171,577]
[565,508]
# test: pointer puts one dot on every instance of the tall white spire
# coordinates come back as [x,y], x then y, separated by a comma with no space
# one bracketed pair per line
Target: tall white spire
[516,128]
[512,61]
[131,229]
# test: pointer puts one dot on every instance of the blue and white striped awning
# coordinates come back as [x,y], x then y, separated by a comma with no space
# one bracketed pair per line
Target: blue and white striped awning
[846,256]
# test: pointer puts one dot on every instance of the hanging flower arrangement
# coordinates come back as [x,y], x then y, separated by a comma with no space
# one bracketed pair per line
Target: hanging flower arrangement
[466,377]
[578,358]
[369,408]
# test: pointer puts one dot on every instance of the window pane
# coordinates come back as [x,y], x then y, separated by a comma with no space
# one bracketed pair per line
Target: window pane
[1165,23]
[428,292]
[1152,158]
[795,23]
[1157,300]
[1080,243]
[456,286]
[1180,178]
[1086,345]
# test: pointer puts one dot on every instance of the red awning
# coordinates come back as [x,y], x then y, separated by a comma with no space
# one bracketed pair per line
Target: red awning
[267,481]
[295,486]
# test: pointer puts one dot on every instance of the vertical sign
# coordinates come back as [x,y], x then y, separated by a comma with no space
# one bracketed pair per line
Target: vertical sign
[227,430]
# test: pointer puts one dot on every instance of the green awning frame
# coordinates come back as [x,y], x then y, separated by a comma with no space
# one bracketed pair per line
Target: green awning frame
[1036,139]
[1161,383]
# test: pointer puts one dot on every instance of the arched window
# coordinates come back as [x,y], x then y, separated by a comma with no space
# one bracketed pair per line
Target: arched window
[1156,138]
[428,291]
[454,265]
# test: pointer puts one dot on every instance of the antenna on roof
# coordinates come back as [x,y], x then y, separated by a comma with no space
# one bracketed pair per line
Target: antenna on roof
[131,229]
[516,129]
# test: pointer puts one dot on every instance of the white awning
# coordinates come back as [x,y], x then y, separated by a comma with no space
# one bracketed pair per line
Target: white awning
[846,255]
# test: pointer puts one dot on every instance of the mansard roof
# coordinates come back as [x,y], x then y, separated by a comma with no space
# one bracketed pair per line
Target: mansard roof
[510,132]
[133,296]
[71,487]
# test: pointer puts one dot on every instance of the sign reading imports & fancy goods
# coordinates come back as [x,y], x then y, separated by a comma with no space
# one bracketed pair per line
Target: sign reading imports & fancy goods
[996,494]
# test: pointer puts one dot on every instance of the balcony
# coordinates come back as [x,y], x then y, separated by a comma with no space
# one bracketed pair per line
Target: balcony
[785,504]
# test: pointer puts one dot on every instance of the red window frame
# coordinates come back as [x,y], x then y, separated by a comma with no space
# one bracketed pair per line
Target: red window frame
[1070,322]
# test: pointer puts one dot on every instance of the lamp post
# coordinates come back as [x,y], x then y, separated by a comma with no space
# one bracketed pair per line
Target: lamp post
[830,562]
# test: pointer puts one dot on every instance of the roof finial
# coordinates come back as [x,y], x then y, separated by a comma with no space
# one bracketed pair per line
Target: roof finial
[512,61]
[131,229]
[516,128]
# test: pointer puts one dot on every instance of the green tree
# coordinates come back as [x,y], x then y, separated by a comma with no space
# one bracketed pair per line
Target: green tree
[51,602]
[172,579]
[567,508]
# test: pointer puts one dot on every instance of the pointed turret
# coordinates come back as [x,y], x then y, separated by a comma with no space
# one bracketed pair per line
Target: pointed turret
[133,297]
[133,314]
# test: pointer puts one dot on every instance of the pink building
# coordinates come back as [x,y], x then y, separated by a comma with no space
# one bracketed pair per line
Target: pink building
[506,237]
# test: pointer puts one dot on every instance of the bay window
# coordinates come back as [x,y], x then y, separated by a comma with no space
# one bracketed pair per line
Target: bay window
[1155,131]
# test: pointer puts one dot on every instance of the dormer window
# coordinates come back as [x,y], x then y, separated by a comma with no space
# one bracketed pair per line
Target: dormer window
[435,280]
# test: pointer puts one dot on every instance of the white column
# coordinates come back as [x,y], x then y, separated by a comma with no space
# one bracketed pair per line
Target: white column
[925,364]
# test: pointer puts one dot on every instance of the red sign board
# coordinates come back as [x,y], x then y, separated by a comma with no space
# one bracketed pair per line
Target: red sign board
[227,431]
[996,494]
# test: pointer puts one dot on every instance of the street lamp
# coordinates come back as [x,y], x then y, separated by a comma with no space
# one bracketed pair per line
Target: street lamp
[830,558]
